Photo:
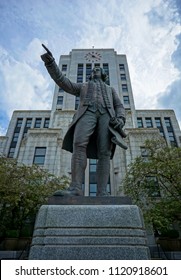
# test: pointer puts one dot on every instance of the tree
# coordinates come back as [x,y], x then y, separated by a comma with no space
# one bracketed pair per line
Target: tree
[154,183]
[23,189]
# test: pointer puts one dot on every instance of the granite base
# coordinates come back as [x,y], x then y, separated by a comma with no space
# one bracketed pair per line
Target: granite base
[89,232]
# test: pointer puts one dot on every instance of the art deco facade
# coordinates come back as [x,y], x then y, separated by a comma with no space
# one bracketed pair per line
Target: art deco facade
[35,137]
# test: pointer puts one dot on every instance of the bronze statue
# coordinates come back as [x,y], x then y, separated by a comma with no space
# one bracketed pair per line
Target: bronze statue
[96,127]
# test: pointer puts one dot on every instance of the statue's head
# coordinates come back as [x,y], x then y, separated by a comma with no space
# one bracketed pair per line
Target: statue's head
[98,72]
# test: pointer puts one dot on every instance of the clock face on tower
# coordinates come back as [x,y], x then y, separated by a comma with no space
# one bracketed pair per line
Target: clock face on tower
[93,56]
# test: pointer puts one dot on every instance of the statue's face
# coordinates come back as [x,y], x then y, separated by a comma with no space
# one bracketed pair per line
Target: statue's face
[96,73]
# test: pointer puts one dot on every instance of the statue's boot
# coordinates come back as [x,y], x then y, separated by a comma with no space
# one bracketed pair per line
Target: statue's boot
[78,165]
[103,172]
[73,190]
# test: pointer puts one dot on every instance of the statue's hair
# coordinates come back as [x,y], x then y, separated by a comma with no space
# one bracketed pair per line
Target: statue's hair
[103,74]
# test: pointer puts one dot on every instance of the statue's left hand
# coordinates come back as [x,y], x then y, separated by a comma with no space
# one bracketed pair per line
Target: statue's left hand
[117,122]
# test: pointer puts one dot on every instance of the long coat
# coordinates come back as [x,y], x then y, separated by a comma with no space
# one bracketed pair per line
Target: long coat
[115,109]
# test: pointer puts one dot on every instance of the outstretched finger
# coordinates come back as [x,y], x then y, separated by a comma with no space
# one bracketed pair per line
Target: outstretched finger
[49,52]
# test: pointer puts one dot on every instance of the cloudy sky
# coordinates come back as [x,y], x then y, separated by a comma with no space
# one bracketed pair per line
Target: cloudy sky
[147,31]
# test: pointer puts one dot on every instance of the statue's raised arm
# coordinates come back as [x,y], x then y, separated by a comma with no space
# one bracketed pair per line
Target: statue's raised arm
[57,75]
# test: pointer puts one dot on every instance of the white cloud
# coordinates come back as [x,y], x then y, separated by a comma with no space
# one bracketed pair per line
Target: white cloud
[143,30]
[33,51]
[2,130]
[126,26]
[24,87]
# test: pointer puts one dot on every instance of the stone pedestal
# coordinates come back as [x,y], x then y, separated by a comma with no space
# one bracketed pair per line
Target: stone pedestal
[89,232]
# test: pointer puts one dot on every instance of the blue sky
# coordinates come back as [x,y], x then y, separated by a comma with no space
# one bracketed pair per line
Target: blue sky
[148,32]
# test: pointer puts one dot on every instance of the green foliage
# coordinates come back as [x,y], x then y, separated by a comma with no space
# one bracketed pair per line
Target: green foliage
[23,189]
[154,183]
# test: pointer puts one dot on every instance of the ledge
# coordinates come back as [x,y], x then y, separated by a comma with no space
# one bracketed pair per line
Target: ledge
[89,200]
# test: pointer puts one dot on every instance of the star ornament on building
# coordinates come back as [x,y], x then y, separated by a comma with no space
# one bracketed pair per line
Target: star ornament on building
[93,56]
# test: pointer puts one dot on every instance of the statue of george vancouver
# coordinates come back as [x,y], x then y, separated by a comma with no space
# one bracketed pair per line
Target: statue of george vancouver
[96,127]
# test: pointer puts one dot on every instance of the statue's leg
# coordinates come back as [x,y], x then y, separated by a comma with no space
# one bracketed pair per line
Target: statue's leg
[83,130]
[104,153]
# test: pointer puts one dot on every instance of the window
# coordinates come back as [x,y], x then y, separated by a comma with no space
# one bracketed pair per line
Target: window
[159,126]
[168,122]
[126,99]
[123,77]
[28,123]
[64,67]
[37,123]
[15,136]
[80,69]
[27,126]
[158,122]
[60,89]
[92,189]
[88,71]
[124,87]
[11,152]
[60,100]
[77,100]
[172,138]
[121,67]
[97,65]
[39,157]
[92,165]
[79,79]
[93,178]
[106,69]
[139,122]
[46,123]
[148,122]
[19,122]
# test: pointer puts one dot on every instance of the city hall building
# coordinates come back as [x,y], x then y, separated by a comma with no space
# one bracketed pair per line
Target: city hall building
[35,137]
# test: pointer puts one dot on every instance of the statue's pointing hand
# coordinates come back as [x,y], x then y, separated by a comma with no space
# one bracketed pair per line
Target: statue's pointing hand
[47,57]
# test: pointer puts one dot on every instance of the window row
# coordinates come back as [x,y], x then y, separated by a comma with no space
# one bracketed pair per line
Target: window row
[38,123]
[88,69]
[28,125]
[159,125]
[158,122]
